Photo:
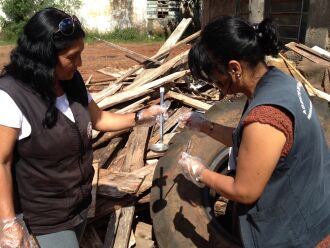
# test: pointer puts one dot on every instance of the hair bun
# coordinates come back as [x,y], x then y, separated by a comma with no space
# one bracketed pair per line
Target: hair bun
[266,33]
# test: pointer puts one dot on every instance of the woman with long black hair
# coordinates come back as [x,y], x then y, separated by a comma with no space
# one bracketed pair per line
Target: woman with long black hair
[46,122]
[279,153]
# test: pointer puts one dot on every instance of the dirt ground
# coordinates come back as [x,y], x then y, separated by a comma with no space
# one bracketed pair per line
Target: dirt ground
[99,55]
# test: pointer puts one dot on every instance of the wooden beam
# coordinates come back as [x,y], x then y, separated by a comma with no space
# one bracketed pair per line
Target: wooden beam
[139,91]
[124,227]
[112,229]
[308,55]
[138,67]
[308,85]
[175,36]
[159,71]
[189,101]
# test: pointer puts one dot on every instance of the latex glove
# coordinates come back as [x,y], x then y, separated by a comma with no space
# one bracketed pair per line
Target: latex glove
[13,233]
[192,168]
[193,120]
[151,115]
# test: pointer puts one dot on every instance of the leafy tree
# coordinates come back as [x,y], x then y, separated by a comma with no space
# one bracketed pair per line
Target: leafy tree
[17,12]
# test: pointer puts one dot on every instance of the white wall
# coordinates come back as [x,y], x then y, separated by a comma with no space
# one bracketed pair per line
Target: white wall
[106,15]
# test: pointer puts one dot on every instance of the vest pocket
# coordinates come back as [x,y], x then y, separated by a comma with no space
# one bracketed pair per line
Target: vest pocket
[274,227]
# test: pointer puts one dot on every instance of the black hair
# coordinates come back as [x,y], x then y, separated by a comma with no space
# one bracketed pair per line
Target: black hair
[34,59]
[231,38]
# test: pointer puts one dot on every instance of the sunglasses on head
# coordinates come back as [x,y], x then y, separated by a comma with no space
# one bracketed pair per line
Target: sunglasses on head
[67,25]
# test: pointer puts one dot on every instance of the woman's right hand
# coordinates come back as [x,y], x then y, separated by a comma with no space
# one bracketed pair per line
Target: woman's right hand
[14,233]
[193,120]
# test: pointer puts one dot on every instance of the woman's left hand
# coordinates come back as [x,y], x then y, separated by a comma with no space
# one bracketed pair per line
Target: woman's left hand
[192,168]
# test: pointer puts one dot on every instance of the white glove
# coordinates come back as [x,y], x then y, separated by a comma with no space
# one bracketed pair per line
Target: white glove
[193,120]
[192,168]
[13,233]
[151,115]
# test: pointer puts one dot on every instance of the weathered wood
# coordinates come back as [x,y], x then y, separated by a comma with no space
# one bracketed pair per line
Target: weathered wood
[112,229]
[256,9]
[147,172]
[104,206]
[189,101]
[124,227]
[136,146]
[118,184]
[143,235]
[102,155]
[132,241]
[127,51]
[310,88]
[113,72]
[135,68]
[107,92]
[312,57]
[134,106]
[139,91]
[89,79]
[175,36]
[157,72]
[107,136]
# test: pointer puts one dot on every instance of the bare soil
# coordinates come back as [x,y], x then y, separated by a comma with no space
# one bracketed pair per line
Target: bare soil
[99,55]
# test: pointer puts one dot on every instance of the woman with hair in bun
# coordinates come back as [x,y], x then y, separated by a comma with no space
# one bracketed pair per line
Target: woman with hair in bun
[280,157]
[46,122]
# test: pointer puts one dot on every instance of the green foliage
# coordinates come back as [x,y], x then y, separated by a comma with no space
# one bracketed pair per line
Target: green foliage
[124,35]
[19,11]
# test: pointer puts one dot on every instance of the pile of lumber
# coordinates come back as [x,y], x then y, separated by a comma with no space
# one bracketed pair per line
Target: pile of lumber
[123,162]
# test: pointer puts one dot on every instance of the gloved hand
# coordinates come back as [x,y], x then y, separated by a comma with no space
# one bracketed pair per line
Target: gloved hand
[151,115]
[13,233]
[192,168]
[193,120]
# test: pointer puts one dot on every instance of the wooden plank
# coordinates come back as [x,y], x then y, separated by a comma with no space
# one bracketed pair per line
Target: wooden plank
[112,229]
[307,55]
[107,136]
[136,146]
[139,91]
[118,184]
[310,88]
[132,241]
[124,227]
[113,72]
[157,72]
[310,50]
[148,173]
[175,36]
[108,92]
[127,51]
[138,67]
[189,101]
[102,155]
[143,235]
[134,106]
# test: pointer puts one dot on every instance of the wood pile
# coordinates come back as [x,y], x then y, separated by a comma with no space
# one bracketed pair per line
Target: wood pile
[123,162]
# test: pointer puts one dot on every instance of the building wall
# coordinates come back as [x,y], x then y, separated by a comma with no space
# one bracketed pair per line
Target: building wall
[107,15]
